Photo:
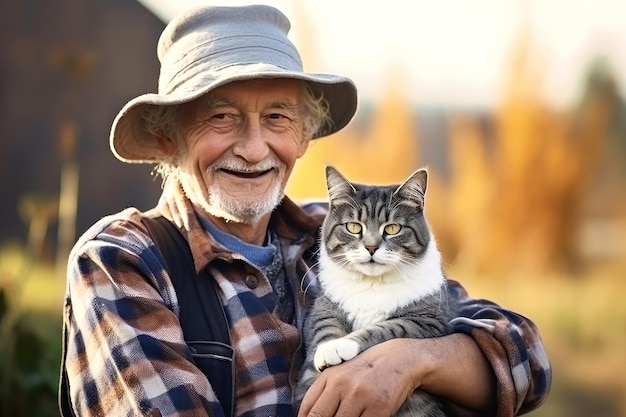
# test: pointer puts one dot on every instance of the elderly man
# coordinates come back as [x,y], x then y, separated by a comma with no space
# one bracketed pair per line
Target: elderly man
[234,112]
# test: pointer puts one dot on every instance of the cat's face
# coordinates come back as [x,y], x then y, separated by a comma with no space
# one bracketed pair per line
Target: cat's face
[375,230]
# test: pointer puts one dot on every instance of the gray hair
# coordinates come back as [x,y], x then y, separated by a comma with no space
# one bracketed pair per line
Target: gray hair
[164,121]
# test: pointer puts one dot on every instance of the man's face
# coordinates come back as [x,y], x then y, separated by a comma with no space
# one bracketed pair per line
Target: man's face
[242,141]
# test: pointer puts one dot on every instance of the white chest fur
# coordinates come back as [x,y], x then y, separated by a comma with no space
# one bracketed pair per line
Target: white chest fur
[368,299]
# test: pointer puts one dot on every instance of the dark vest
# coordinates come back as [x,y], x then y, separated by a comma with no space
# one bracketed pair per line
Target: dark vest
[202,316]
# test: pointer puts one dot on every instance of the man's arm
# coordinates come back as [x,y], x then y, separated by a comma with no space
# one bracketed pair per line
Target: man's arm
[378,381]
[512,345]
[494,363]
[125,353]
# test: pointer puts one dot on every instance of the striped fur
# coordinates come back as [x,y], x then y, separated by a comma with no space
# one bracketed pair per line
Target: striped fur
[381,278]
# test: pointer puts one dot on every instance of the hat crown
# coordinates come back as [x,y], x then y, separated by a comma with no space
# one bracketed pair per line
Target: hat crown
[207,47]
[205,40]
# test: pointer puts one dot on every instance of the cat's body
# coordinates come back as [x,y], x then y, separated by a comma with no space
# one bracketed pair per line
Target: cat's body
[380,278]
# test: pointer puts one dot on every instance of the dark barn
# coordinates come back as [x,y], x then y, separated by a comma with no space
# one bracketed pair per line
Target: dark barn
[67,67]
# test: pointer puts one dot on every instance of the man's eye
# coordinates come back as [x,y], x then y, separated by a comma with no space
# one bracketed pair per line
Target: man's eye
[277,116]
[219,116]
[222,119]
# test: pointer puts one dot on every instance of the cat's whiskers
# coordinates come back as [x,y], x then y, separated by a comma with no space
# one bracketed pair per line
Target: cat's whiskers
[304,285]
[347,263]
[342,260]
[392,204]
[312,268]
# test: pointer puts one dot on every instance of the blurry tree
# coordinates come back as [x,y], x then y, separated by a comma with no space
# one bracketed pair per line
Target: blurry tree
[514,200]
[519,177]
[385,152]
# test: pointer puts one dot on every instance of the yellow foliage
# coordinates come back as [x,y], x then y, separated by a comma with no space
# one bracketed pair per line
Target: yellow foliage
[515,204]
[386,153]
[513,195]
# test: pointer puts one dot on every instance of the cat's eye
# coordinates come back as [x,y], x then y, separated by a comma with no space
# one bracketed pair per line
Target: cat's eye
[392,228]
[354,227]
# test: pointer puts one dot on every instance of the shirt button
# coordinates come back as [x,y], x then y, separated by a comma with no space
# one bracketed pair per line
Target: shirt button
[252,282]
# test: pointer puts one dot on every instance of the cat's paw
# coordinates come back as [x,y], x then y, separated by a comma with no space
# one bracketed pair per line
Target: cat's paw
[334,352]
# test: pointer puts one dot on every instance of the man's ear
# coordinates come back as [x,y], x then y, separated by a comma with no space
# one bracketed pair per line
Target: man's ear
[166,145]
[304,145]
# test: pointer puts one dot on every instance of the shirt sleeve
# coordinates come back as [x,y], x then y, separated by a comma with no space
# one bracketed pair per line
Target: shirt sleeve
[512,345]
[124,350]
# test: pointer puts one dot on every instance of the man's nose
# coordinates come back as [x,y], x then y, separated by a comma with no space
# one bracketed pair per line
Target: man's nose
[252,145]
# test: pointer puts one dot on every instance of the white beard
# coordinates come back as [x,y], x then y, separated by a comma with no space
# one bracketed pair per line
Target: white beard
[220,204]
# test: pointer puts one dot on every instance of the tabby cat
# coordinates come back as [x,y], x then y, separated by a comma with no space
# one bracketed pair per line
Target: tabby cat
[380,276]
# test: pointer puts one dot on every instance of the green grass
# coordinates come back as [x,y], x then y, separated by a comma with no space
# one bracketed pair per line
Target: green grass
[33,286]
[30,335]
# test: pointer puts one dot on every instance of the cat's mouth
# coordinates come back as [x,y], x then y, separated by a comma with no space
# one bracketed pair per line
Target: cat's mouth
[372,268]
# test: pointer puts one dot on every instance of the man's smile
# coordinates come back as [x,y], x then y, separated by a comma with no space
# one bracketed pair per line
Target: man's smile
[246,174]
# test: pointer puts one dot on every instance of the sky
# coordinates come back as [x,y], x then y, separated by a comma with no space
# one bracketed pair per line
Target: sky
[450,52]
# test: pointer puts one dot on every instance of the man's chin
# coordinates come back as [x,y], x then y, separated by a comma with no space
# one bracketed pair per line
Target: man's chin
[228,217]
[250,212]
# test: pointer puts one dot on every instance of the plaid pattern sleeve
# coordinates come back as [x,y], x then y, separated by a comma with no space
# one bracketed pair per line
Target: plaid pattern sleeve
[512,345]
[124,352]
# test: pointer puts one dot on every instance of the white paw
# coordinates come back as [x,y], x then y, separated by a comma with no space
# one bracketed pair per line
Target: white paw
[334,352]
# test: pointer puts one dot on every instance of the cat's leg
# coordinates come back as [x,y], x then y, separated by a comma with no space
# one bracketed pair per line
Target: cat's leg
[334,352]
[325,323]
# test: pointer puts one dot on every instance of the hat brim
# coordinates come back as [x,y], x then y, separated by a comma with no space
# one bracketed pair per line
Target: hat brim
[131,143]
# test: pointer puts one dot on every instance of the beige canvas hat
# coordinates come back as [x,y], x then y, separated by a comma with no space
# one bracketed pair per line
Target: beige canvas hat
[206,47]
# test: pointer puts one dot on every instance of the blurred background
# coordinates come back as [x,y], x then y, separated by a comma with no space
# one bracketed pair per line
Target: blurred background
[516,107]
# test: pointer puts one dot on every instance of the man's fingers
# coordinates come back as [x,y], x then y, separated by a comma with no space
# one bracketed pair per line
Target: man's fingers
[327,400]
[311,398]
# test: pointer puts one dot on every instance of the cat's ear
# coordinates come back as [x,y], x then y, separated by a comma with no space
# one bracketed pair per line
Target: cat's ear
[338,186]
[414,188]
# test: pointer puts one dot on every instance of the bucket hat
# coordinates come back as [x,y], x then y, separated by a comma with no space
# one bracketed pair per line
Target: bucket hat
[206,47]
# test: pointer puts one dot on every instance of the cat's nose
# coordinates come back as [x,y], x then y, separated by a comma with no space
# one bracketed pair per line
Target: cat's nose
[371,249]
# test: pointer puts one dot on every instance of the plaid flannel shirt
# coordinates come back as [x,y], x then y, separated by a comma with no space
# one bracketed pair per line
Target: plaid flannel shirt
[124,353]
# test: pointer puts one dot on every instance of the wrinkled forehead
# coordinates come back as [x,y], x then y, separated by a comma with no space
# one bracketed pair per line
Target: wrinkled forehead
[253,95]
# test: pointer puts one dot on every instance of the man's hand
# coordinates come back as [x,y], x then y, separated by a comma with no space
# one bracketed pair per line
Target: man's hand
[378,381]
[375,383]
